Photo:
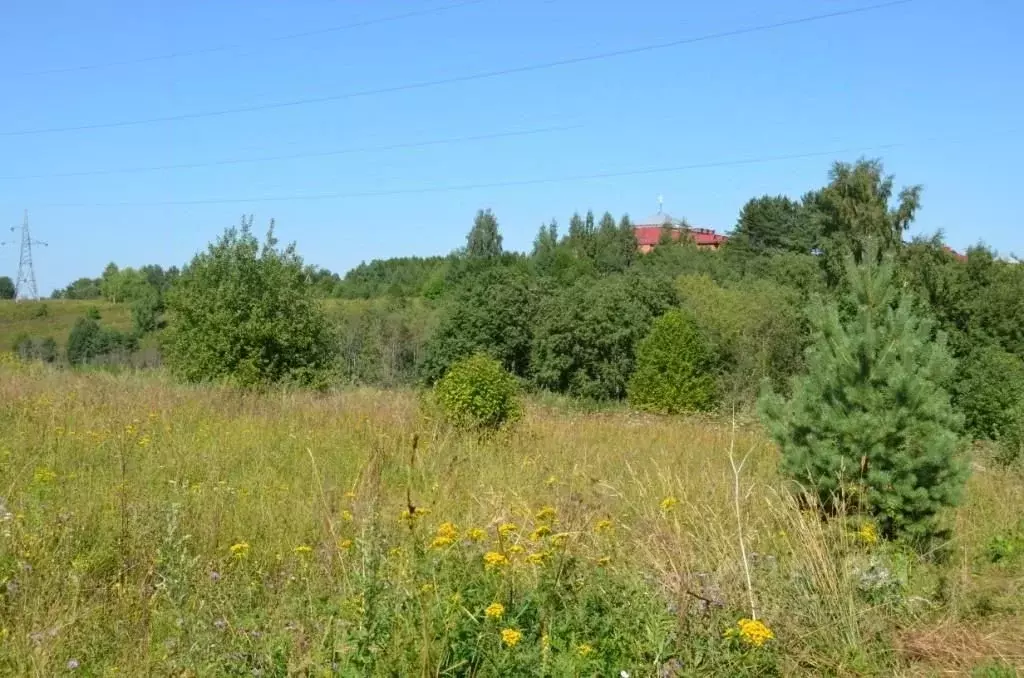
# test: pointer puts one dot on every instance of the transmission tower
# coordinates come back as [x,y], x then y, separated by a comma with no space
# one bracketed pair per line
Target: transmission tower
[25,284]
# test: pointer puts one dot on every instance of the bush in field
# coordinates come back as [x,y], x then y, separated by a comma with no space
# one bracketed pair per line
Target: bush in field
[674,368]
[88,341]
[32,348]
[249,315]
[477,393]
[870,427]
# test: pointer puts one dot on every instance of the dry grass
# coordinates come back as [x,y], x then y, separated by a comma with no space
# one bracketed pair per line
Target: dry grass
[94,465]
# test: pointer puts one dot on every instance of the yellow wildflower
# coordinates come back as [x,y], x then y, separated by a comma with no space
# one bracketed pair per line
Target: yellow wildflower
[560,538]
[868,533]
[144,441]
[537,558]
[427,588]
[448,530]
[603,525]
[240,550]
[350,495]
[584,650]
[495,611]
[668,503]
[495,559]
[507,528]
[303,550]
[511,637]
[44,475]
[346,516]
[604,560]
[345,544]
[754,632]
[440,542]
[541,532]
[515,549]
[476,534]
[418,512]
[546,514]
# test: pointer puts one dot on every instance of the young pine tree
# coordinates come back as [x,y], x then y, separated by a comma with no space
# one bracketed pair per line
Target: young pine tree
[869,426]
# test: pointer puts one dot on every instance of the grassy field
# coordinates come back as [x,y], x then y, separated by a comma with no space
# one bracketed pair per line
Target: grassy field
[153,529]
[54,318]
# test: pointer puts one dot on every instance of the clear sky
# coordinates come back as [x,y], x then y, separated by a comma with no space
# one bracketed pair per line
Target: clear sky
[941,79]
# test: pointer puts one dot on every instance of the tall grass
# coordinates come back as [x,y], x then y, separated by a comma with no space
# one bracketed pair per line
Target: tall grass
[153,529]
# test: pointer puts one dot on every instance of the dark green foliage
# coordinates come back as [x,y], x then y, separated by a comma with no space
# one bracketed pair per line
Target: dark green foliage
[484,240]
[491,311]
[756,328]
[674,368]
[586,335]
[248,314]
[7,288]
[34,348]
[477,393]
[989,384]
[398,277]
[1011,441]
[870,427]
[772,225]
[89,343]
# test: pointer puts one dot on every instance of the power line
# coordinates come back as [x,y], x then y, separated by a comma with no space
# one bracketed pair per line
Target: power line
[229,48]
[465,78]
[494,184]
[297,156]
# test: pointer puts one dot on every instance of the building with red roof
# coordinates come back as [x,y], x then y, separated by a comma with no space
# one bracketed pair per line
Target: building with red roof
[649,233]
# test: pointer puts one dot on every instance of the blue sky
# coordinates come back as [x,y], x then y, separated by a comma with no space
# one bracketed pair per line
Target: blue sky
[940,78]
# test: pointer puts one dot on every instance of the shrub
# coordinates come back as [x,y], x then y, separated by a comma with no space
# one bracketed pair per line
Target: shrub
[31,348]
[1011,441]
[477,393]
[674,368]
[870,427]
[248,315]
[146,313]
[988,386]
[89,341]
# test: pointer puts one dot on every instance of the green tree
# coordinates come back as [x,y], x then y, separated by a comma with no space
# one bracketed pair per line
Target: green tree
[870,427]
[615,246]
[773,224]
[146,312]
[7,289]
[88,341]
[484,239]
[490,312]
[248,314]
[854,208]
[674,368]
[586,335]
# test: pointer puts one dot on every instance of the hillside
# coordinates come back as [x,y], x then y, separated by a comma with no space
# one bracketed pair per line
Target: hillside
[54,318]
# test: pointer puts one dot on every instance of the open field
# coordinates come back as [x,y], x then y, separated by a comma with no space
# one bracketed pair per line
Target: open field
[152,529]
[55,318]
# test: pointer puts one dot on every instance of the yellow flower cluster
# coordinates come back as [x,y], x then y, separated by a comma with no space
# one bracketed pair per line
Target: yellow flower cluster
[546,514]
[345,544]
[511,637]
[476,534]
[494,559]
[240,550]
[868,533]
[603,526]
[669,503]
[507,528]
[447,533]
[584,650]
[495,611]
[754,632]
[303,550]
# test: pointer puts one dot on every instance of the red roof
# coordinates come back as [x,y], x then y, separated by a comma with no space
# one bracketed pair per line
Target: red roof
[651,235]
[956,255]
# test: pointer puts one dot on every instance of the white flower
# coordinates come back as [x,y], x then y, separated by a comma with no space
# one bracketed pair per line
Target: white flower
[623,674]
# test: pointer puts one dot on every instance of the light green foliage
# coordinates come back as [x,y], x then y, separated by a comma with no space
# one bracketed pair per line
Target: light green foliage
[396,277]
[870,426]
[381,341]
[7,288]
[855,208]
[674,368]
[491,310]
[146,310]
[248,314]
[756,328]
[989,386]
[484,241]
[477,393]
[586,335]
